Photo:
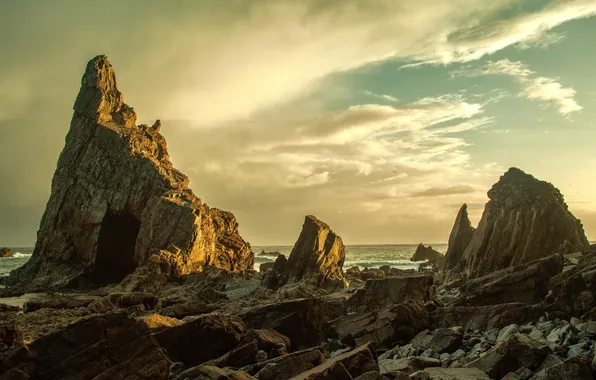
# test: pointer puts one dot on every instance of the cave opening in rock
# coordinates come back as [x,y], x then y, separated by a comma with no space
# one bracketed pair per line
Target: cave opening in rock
[116,248]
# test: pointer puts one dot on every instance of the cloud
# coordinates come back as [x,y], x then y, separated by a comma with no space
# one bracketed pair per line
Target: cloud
[238,88]
[552,92]
[542,41]
[386,97]
[360,163]
[441,191]
[539,88]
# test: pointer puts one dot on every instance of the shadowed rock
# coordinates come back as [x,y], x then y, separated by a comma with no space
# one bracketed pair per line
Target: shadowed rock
[116,199]
[423,253]
[459,238]
[317,257]
[525,219]
[6,252]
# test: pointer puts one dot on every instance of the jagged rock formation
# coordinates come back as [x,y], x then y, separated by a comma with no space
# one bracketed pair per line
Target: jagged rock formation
[116,199]
[6,252]
[459,238]
[317,257]
[423,253]
[525,219]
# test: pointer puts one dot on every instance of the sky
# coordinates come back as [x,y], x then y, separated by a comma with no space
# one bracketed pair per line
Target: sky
[380,117]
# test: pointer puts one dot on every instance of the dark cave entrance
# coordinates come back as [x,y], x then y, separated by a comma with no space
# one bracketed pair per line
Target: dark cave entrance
[115,248]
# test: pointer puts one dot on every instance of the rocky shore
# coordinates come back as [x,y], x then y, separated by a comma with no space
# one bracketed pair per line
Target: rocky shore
[511,299]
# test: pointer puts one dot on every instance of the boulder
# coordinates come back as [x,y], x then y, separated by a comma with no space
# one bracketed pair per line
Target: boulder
[57,302]
[269,341]
[274,278]
[156,322]
[345,366]
[204,338]
[209,372]
[423,253]
[10,335]
[525,219]
[243,355]
[317,257]
[509,355]
[451,374]
[574,289]
[286,366]
[574,368]
[266,266]
[300,320]
[459,238]
[379,293]
[6,252]
[442,340]
[397,324]
[105,347]
[116,199]
[485,317]
[192,307]
[526,283]
[407,365]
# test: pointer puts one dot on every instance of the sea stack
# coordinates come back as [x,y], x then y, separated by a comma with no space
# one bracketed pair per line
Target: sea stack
[459,238]
[317,257]
[6,252]
[424,253]
[525,219]
[116,200]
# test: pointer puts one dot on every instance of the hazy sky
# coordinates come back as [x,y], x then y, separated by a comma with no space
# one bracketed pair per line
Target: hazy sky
[381,117]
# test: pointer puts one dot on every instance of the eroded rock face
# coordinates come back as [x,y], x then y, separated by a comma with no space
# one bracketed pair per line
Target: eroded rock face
[527,283]
[424,253]
[116,199]
[574,289]
[380,293]
[317,257]
[524,220]
[459,238]
[105,347]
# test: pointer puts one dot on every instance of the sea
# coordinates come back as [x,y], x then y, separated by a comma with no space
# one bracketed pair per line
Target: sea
[363,256]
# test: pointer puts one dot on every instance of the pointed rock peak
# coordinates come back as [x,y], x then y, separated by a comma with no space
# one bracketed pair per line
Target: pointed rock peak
[317,257]
[515,186]
[313,220]
[462,215]
[99,98]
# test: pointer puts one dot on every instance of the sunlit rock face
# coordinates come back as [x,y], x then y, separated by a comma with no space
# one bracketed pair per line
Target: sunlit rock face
[116,199]
[317,257]
[525,219]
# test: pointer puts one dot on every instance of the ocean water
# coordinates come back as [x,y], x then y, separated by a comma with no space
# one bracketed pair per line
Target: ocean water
[364,256]
[21,255]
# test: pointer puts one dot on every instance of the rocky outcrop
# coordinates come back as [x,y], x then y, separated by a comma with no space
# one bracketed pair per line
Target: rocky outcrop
[574,289]
[317,257]
[380,293]
[509,355]
[397,323]
[116,199]
[459,238]
[423,253]
[106,347]
[6,252]
[301,320]
[526,283]
[525,219]
[213,334]
[484,317]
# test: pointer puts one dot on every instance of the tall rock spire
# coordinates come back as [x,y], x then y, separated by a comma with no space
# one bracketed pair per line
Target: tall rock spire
[118,204]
